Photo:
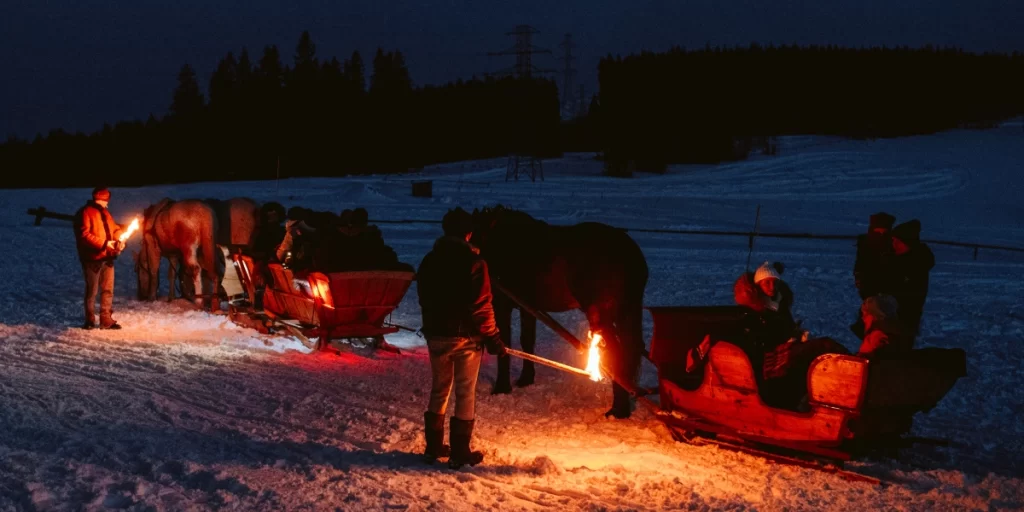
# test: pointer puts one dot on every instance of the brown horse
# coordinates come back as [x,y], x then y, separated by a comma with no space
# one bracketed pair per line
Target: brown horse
[592,267]
[185,231]
[189,232]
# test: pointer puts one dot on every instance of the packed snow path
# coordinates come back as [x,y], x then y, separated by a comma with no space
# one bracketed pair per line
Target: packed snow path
[184,410]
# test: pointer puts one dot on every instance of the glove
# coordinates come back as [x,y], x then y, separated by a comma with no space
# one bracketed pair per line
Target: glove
[494,346]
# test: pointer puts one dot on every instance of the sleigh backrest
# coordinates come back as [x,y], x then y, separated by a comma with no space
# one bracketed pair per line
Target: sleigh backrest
[730,367]
[837,380]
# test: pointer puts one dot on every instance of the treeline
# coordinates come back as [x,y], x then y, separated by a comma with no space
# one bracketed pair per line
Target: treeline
[711,104]
[312,118]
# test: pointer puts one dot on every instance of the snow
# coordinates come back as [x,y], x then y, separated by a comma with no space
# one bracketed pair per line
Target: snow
[183,410]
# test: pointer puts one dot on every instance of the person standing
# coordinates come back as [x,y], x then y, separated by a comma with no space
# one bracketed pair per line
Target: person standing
[96,237]
[454,291]
[872,270]
[912,263]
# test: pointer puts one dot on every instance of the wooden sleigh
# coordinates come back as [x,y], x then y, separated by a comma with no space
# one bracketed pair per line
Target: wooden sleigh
[321,309]
[852,404]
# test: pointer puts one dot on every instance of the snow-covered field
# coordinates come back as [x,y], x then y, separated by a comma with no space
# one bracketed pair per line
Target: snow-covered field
[184,410]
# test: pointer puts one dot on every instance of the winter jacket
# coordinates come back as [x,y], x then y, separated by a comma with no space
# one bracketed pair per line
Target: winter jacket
[885,338]
[94,227]
[265,241]
[454,290]
[910,287]
[872,270]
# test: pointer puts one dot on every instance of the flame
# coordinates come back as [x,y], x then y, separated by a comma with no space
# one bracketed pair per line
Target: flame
[132,228]
[594,357]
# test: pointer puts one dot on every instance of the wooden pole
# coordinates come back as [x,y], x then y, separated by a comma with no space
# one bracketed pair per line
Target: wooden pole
[546,362]
[750,242]
[543,317]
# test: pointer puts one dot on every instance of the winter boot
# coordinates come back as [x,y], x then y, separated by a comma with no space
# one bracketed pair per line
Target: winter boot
[433,427]
[461,434]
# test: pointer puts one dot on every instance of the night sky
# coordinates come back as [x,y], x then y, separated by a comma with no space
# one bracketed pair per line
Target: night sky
[76,64]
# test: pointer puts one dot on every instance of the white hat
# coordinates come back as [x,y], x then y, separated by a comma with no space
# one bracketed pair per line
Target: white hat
[764,272]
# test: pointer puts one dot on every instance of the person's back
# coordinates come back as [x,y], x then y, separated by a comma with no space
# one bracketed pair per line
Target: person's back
[458,321]
[912,264]
[444,283]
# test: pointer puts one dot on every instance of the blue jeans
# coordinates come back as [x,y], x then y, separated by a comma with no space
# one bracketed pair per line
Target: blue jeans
[454,362]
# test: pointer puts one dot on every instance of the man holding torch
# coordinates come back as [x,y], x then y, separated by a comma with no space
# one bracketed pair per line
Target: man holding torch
[99,240]
[458,321]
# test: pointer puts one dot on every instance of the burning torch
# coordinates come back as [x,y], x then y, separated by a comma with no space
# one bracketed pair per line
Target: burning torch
[132,228]
[593,369]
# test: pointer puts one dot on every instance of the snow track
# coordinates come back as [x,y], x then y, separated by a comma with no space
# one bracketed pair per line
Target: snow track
[183,410]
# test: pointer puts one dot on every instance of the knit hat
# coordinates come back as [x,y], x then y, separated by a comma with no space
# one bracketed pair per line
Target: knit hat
[880,307]
[881,220]
[766,270]
[457,222]
[908,232]
[100,194]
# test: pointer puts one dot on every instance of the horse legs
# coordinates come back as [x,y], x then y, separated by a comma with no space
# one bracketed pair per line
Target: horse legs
[190,265]
[528,339]
[621,355]
[172,277]
[503,317]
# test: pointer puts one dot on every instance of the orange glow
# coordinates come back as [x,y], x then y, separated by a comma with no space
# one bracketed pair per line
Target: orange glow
[132,228]
[321,289]
[594,356]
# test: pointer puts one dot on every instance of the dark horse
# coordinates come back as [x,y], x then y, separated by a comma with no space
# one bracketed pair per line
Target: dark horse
[593,267]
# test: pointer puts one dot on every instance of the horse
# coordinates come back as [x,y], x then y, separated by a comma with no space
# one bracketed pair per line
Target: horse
[176,230]
[593,267]
[183,230]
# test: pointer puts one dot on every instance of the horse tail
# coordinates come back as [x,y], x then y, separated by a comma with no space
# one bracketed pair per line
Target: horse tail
[208,246]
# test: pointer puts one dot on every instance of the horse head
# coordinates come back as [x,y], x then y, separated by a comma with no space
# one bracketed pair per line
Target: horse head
[485,222]
[146,270]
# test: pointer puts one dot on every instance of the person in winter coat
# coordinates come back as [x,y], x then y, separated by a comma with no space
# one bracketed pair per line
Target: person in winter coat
[454,290]
[96,237]
[884,334]
[872,270]
[269,232]
[912,263]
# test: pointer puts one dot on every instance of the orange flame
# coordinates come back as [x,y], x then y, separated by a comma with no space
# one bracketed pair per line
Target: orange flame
[132,228]
[594,357]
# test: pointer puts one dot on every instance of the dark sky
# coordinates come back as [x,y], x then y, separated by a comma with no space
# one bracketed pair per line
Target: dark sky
[75,64]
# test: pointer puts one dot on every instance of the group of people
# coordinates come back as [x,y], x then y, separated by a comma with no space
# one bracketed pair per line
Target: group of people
[891,273]
[325,241]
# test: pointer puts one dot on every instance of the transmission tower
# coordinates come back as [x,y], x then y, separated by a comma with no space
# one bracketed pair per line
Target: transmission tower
[524,50]
[568,73]
[520,162]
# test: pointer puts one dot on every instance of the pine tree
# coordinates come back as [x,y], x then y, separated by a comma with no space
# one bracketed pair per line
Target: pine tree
[188,100]
[224,82]
[355,73]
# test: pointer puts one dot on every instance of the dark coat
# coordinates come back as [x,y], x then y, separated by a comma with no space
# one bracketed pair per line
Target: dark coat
[910,283]
[873,268]
[94,227]
[454,290]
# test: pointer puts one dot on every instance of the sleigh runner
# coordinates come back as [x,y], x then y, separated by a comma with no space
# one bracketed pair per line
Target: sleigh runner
[322,308]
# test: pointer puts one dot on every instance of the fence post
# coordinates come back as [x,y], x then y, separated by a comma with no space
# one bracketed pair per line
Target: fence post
[975,253]
[39,215]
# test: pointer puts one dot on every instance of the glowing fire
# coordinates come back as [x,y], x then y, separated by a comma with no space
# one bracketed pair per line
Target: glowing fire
[132,228]
[594,357]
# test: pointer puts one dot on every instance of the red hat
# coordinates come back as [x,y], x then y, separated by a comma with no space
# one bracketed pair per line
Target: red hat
[100,194]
